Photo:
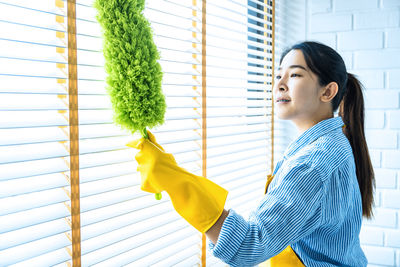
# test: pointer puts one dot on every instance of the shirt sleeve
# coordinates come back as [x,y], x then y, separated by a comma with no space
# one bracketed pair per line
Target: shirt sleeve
[290,211]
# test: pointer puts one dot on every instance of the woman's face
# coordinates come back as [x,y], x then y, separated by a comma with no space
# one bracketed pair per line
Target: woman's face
[296,90]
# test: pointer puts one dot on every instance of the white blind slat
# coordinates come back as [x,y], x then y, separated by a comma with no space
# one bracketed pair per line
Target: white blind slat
[131,240]
[147,254]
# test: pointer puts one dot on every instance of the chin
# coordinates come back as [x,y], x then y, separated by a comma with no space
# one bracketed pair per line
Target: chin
[282,116]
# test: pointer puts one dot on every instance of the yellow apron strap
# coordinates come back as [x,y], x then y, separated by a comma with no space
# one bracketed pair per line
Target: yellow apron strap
[269,180]
[287,258]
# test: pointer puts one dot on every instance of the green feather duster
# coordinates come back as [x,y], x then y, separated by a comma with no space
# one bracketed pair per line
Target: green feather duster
[134,75]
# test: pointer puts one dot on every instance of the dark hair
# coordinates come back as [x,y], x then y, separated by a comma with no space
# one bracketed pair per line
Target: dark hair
[329,66]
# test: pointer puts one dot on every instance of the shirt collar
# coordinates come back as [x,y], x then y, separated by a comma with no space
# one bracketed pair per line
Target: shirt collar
[312,134]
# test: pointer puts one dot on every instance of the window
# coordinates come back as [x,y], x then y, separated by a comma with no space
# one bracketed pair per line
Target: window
[218,89]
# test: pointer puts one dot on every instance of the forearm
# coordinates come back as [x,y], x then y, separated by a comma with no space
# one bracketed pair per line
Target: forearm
[214,231]
[239,242]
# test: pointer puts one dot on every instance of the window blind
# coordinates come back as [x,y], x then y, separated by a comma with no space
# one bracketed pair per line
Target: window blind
[120,224]
[239,105]
[239,76]
[34,150]
[284,37]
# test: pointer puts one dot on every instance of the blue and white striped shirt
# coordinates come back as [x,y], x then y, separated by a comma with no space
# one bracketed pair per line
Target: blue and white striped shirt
[313,204]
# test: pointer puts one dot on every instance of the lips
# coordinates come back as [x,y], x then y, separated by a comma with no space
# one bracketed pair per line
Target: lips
[282,100]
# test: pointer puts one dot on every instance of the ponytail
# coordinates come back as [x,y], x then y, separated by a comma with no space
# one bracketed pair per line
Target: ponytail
[352,112]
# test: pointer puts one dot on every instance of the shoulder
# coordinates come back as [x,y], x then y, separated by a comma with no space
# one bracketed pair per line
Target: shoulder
[299,169]
[328,152]
[324,155]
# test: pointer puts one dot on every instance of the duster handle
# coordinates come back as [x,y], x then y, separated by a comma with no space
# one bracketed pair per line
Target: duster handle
[144,133]
[158,196]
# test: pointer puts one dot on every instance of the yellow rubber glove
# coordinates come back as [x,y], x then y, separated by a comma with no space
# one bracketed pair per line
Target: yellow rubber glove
[198,200]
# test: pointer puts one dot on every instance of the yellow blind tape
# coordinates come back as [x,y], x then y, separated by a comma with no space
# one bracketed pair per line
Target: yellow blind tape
[60,65]
[59,3]
[60,35]
[59,19]
[60,50]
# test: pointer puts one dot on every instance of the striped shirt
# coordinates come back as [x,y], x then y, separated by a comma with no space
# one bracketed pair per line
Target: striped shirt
[313,204]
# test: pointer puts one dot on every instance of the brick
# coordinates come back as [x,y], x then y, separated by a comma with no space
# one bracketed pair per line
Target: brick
[377,59]
[357,40]
[371,236]
[331,22]
[390,3]
[386,218]
[326,38]
[379,255]
[346,5]
[381,99]
[385,179]
[375,157]
[393,38]
[377,199]
[321,6]
[381,139]
[392,238]
[391,199]
[391,159]
[370,79]
[376,19]
[374,119]
[398,258]
[394,119]
[393,78]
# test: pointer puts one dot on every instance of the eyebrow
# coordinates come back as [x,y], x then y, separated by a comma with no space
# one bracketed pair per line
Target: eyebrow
[294,66]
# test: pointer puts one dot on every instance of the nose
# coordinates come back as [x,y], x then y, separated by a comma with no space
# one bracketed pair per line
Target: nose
[280,86]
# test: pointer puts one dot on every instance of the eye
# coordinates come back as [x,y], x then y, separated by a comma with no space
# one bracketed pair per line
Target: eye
[278,77]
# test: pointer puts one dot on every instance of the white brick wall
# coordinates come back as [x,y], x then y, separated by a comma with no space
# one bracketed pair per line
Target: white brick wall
[385,178]
[376,20]
[377,59]
[354,40]
[393,78]
[390,159]
[331,22]
[367,35]
[394,119]
[345,5]
[381,99]
[371,79]
[374,119]
[372,236]
[381,139]
[393,38]
[381,256]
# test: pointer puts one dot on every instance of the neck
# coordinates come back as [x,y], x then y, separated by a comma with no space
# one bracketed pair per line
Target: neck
[304,125]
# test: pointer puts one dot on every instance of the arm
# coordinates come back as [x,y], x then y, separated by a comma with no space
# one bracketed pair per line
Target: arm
[290,211]
[214,231]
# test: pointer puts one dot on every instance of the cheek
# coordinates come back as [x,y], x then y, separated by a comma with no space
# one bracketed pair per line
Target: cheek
[304,93]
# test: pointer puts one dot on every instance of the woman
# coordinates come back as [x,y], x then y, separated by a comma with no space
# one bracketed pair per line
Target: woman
[312,210]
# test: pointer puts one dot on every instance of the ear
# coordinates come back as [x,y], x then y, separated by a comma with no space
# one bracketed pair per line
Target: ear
[329,92]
